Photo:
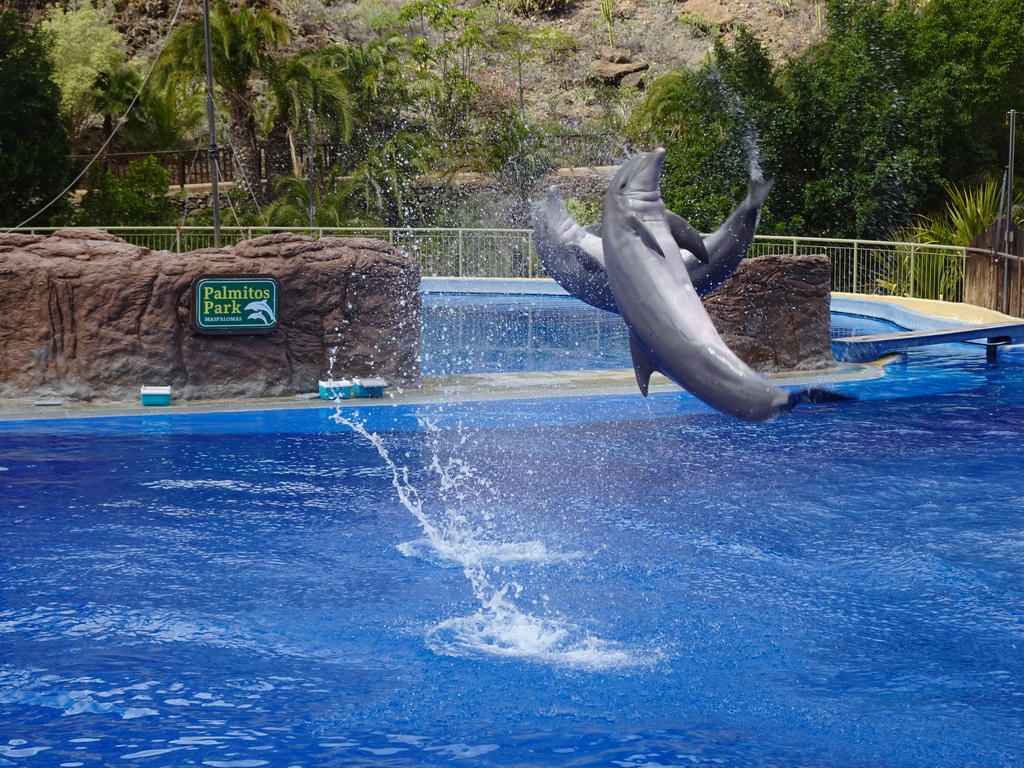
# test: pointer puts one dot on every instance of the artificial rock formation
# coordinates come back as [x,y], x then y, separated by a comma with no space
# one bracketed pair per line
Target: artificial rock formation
[774,312]
[91,317]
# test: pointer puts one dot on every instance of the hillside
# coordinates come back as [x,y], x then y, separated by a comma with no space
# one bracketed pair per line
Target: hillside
[660,33]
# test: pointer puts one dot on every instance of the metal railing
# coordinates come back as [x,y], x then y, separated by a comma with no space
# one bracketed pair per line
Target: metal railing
[880,267]
[858,266]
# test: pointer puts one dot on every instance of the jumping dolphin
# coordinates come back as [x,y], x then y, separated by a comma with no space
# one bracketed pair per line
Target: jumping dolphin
[574,255]
[669,330]
[571,254]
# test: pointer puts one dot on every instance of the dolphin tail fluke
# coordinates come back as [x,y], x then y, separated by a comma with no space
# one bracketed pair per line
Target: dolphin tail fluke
[818,396]
[642,365]
[757,191]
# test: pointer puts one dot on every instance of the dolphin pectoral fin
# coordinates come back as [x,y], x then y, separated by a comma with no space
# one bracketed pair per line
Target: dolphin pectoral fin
[686,236]
[642,365]
[645,235]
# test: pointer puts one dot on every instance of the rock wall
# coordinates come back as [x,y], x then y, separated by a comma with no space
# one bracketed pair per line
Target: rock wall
[774,312]
[89,317]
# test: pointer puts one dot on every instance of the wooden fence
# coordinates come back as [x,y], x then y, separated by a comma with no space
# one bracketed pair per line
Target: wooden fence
[994,278]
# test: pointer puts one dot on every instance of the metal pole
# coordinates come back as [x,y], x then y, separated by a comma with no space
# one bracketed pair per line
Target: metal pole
[309,151]
[1012,122]
[1008,232]
[855,265]
[210,116]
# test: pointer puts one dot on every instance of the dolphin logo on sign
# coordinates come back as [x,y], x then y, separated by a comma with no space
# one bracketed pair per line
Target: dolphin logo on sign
[261,310]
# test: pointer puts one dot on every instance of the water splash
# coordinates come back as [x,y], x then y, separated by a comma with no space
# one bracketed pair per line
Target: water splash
[465,538]
[333,358]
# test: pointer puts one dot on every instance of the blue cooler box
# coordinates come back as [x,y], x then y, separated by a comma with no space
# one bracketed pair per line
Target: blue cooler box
[156,395]
[331,389]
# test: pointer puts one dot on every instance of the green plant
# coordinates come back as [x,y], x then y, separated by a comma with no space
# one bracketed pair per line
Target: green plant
[34,145]
[86,45]
[919,272]
[243,42]
[700,24]
[531,7]
[240,211]
[969,212]
[608,15]
[582,212]
[140,199]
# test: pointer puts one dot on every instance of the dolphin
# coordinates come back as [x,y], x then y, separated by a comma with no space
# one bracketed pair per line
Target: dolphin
[669,330]
[260,309]
[574,255]
[571,254]
[728,244]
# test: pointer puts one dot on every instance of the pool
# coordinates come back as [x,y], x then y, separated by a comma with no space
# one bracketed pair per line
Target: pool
[560,582]
[492,333]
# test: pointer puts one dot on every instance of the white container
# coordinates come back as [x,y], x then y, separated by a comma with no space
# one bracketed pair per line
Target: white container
[156,395]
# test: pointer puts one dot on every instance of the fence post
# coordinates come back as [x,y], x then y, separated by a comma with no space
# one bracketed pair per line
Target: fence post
[460,253]
[529,254]
[856,260]
[910,279]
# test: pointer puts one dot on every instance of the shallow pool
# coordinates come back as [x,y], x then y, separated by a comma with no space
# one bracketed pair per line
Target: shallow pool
[560,582]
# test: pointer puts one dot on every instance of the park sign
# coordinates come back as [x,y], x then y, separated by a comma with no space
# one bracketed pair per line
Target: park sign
[234,304]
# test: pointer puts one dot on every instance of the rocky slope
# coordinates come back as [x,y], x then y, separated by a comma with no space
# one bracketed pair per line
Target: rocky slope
[658,34]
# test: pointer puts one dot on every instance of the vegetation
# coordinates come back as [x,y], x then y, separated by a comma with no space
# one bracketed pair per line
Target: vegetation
[968,213]
[34,145]
[243,44]
[863,131]
[140,199]
[85,46]
[870,131]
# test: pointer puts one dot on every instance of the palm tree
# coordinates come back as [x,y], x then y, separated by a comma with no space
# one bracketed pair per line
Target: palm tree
[243,43]
[157,119]
[305,81]
[969,212]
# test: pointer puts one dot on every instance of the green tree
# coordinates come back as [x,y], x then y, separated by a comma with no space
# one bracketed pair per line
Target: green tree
[864,130]
[243,44]
[85,46]
[34,146]
[384,180]
[307,81]
[968,212]
[144,114]
[140,199]
[375,171]
[517,156]
[970,56]
[518,46]
[446,51]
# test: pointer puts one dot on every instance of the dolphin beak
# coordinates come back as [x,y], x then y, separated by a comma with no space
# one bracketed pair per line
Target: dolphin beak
[649,172]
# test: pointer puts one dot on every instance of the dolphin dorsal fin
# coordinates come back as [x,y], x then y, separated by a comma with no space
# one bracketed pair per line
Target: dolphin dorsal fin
[642,365]
[645,235]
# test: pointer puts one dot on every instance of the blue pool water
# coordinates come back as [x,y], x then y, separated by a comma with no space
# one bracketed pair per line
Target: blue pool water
[473,333]
[558,582]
